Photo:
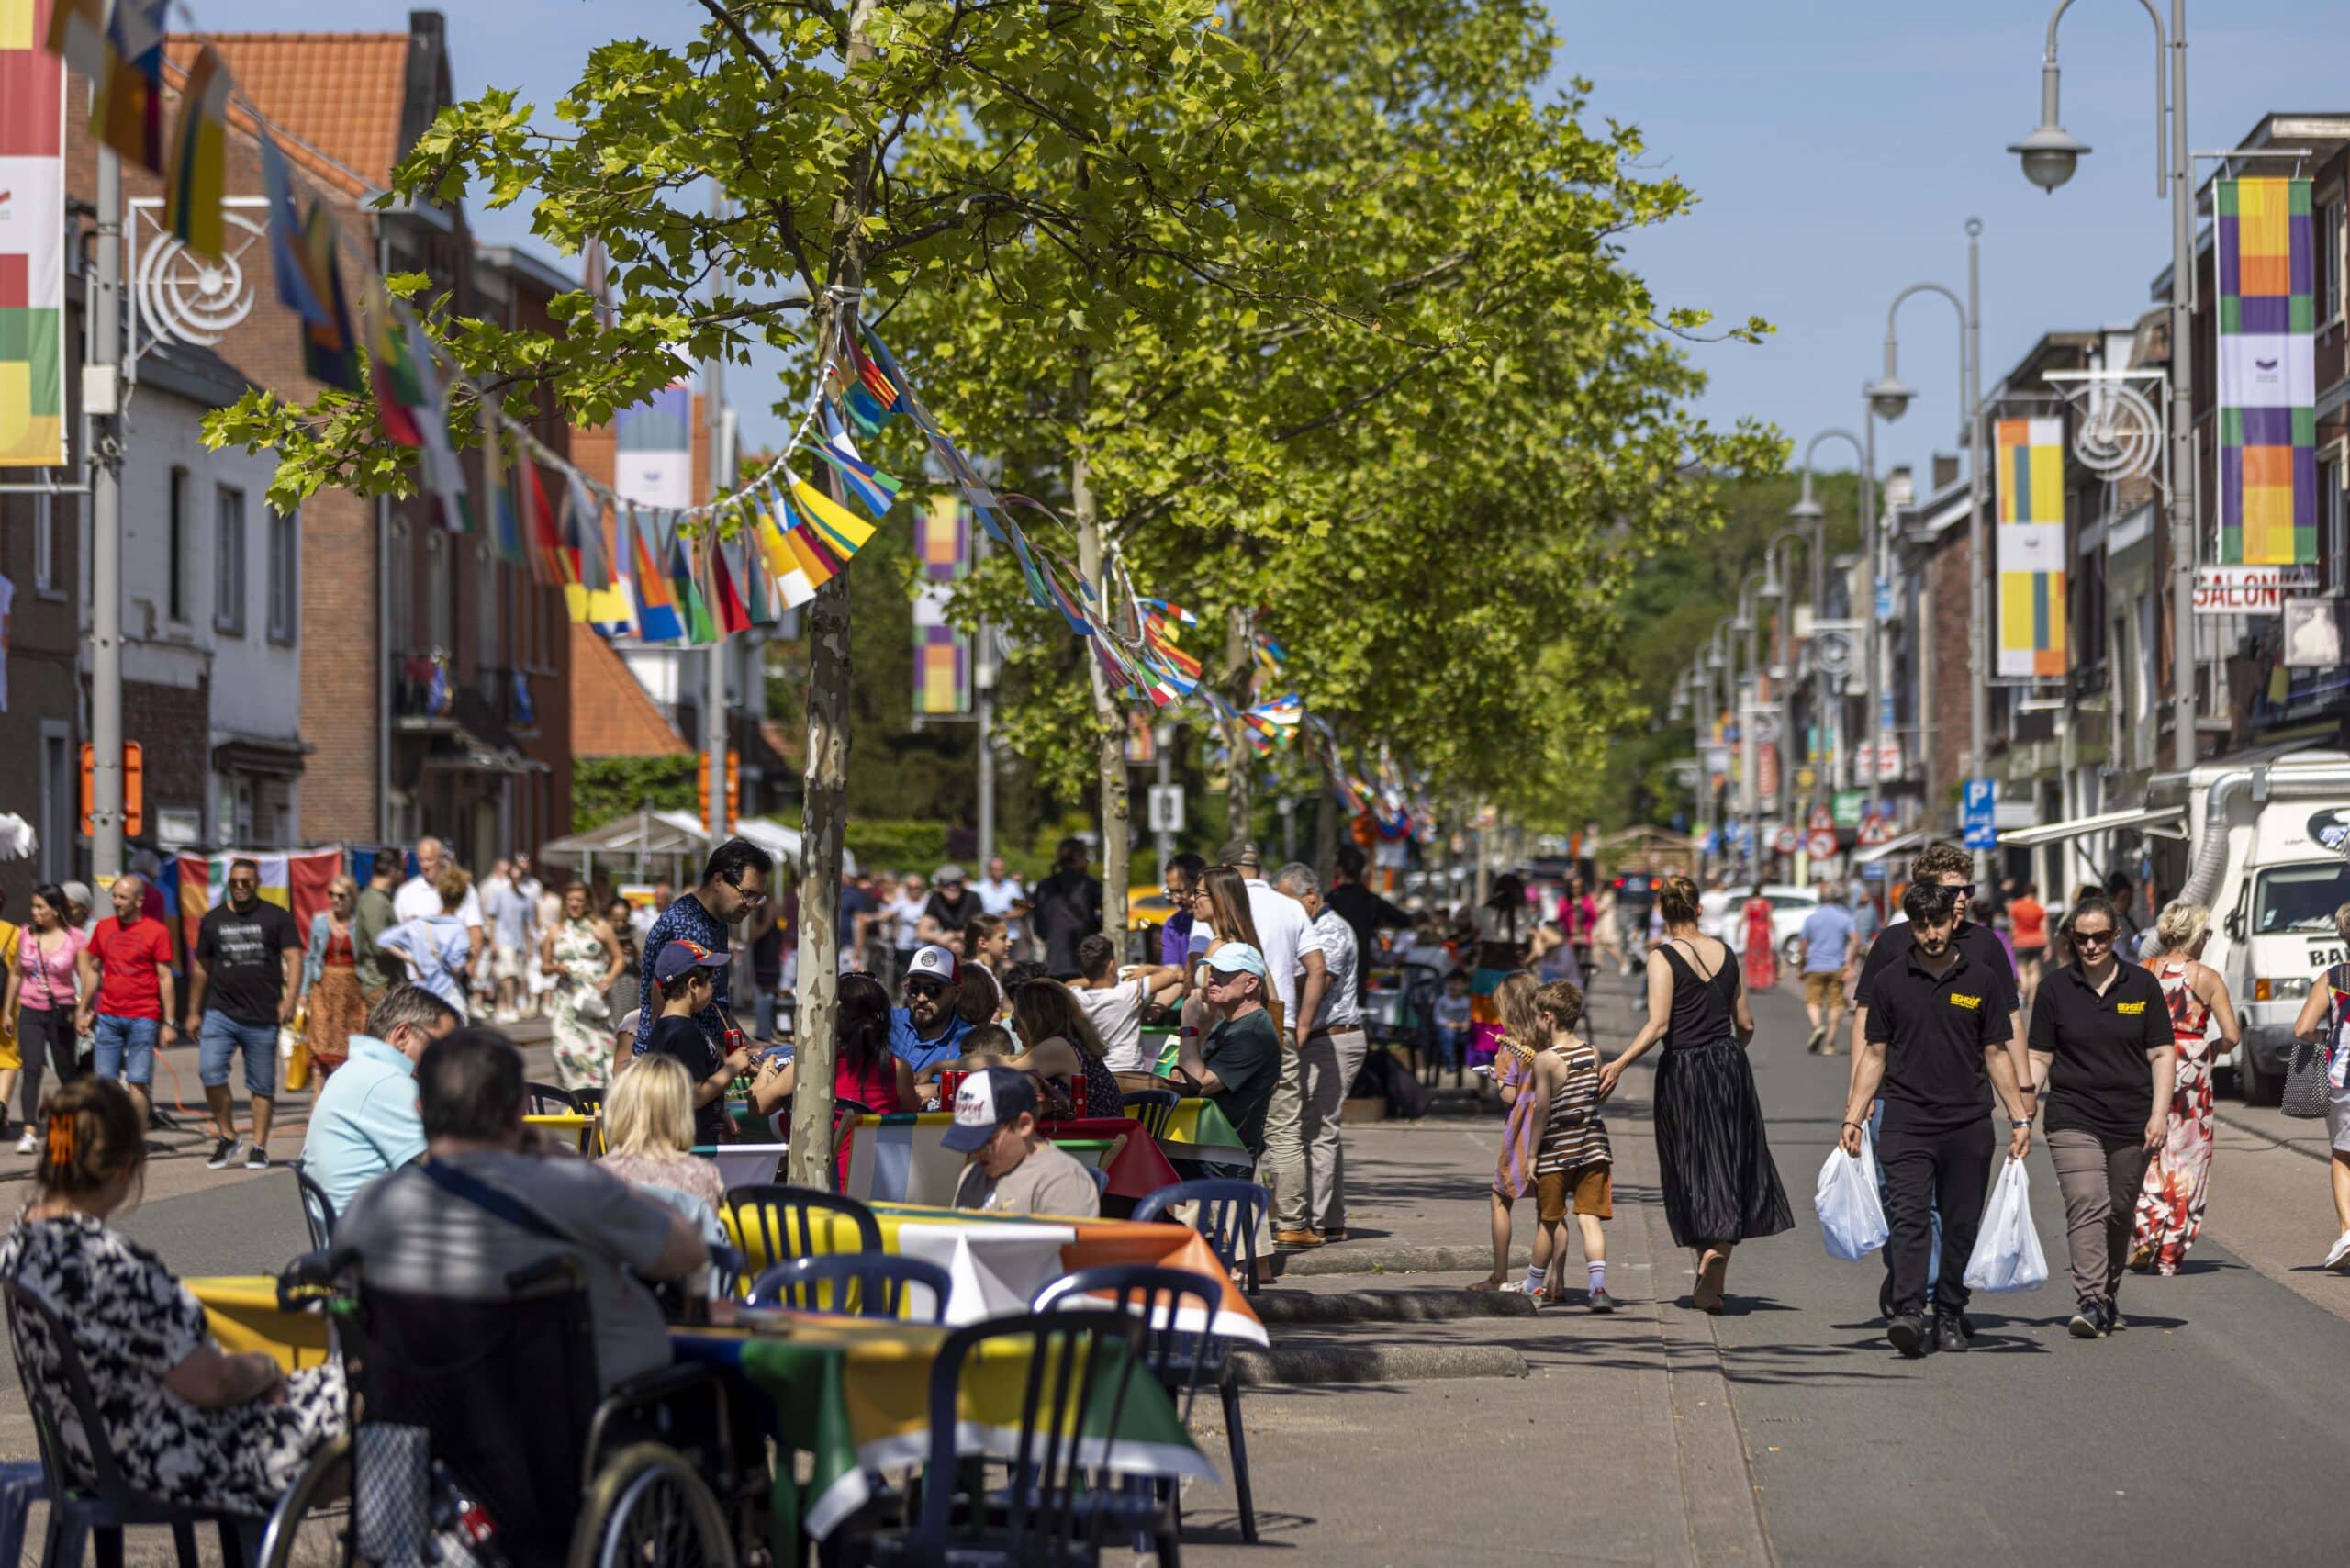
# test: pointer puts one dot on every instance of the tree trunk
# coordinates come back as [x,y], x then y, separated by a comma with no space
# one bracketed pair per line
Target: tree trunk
[824,808]
[1328,828]
[1109,717]
[1240,789]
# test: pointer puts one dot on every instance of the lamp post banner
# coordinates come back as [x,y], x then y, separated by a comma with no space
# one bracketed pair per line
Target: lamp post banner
[2030,547]
[2267,372]
[33,242]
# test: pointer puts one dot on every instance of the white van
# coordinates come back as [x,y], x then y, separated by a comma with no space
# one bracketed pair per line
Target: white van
[2270,848]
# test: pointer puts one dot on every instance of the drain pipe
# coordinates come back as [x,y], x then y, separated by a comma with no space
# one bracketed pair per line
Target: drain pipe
[2211,854]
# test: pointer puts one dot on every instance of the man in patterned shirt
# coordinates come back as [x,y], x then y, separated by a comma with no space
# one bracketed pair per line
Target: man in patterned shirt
[733,887]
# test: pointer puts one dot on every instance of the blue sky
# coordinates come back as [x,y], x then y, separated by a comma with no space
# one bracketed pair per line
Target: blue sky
[1837,147]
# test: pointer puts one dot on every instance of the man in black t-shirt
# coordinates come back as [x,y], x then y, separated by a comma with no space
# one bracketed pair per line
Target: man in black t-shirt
[1365,913]
[2106,1024]
[1067,910]
[950,909]
[1937,1030]
[248,959]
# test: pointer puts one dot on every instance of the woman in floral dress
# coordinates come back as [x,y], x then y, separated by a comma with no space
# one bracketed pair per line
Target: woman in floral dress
[330,988]
[585,957]
[2178,1178]
[1761,955]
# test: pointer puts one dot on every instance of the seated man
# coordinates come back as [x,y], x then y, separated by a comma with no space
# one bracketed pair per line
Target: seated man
[365,1121]
[1013,1170]
[1240,1066]
[489,1200]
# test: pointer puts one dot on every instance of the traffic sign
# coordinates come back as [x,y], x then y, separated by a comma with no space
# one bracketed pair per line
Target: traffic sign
[1846,811]
[1822,819]
[1874,830]
[1978,814]
[1167,808]
[1786,841]
[1823,844]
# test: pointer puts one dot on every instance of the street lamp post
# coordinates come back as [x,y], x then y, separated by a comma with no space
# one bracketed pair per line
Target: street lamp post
[1750,749]
[1774,587]
[2049,155]
[1809,514]
[1888,399]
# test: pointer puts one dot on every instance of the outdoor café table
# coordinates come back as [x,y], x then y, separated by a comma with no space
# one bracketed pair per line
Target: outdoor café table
[1198,1130]
[998,1262]
[241,1310]
[901,1159]
[855,1393]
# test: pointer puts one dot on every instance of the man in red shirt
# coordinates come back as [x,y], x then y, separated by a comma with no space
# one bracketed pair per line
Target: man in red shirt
[126,973]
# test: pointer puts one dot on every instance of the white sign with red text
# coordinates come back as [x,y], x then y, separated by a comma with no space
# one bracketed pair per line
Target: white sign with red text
[2250,591]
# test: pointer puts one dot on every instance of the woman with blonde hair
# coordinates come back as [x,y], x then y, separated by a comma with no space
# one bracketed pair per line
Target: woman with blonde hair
[649,1132]
[1523,1034]
[188,1422]
[2178,1178]
[335,1007]
[1719,1185]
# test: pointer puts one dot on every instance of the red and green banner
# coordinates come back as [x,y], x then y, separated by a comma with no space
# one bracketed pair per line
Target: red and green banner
[32,239]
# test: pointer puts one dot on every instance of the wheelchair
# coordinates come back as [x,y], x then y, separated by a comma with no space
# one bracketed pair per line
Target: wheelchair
[479,1437]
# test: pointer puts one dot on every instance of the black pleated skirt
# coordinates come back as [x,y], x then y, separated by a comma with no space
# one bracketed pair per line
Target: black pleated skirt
[1719,1185]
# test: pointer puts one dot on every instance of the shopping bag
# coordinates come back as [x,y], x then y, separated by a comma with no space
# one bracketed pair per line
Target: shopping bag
[2006,1249]
[1852,1221]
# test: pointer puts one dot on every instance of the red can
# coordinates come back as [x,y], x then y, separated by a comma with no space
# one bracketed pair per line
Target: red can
[1077,1097]
[949,1081]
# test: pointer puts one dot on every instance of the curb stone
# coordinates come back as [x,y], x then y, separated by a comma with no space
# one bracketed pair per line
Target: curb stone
[1374,1364]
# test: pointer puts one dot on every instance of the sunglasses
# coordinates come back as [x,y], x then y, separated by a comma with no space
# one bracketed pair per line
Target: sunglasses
[924,988]
[2092,938]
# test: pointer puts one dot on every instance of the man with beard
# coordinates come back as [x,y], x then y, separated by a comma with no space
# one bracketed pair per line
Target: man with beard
[926,1031]
[1938,1027]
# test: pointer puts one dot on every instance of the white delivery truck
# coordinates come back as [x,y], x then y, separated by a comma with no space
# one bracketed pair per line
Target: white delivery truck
[2269,853]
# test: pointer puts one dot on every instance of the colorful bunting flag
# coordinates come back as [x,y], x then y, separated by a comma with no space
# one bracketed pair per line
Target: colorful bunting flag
[498,491]
[542,542]
[444,475]
[293,289]
[127,108]
[329,349]
[77,34]
[400,390]
[842,531]
[199,157]
[657,620]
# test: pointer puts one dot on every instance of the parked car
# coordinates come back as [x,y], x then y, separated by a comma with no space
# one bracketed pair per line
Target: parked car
[1722,914]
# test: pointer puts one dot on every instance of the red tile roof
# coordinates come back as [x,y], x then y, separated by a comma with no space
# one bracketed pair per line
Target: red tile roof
[337,95]
[610,714]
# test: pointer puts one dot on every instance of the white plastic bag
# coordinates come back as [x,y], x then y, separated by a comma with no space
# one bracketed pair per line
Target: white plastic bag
[1851,1218]
[2006,1249]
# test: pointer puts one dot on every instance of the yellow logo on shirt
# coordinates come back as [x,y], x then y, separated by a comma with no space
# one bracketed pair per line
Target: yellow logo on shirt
[2128,1007]
[1969,1002]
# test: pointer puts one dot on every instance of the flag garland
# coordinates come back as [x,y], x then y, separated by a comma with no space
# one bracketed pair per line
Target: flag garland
[199,177]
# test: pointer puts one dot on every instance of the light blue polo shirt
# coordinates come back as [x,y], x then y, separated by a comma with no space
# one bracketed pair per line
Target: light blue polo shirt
[918,1053]
[365,1121]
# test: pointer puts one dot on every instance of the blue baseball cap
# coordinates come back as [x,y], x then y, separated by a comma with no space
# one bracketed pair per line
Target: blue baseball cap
[678,955]
[1237,958]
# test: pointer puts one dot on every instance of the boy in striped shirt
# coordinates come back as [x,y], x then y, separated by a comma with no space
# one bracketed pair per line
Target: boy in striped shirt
[1573,1159]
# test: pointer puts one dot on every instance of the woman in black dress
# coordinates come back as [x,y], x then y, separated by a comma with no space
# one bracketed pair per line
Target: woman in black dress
[1721,1187]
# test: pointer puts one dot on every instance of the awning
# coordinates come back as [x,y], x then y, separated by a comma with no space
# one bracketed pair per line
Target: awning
[2145,819]
[1900,844]
[681,833]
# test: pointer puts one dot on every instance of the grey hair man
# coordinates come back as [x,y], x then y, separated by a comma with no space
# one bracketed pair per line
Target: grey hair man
[1331,1047]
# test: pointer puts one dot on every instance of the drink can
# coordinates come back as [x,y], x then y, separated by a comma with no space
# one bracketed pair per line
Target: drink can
[950,1082]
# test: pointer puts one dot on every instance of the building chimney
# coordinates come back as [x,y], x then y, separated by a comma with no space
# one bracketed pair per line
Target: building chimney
[1945,471]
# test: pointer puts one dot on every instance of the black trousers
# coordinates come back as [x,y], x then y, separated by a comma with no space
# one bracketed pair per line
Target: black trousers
[1926,1168]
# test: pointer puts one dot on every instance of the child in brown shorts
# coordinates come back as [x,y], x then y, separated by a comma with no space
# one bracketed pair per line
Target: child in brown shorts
[1573,1159]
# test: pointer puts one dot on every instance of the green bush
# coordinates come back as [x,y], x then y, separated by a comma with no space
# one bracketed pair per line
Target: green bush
[603,788]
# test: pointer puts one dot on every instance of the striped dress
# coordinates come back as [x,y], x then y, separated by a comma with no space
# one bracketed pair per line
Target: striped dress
[1574,1136]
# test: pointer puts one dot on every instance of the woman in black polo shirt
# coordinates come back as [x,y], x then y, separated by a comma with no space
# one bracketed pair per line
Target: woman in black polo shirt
[2108,1029]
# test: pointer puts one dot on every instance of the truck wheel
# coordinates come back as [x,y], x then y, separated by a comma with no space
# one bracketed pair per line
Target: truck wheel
[2258,1086]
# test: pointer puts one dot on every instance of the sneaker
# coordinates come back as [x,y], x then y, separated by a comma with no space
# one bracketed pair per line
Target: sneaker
[2087,1320]
[1907,1332]
[1818,1034]
[1335,1233]
[223,1151]
[2112,1321]
[28,1144]
[1948,1334]
[257,1158]
[2339,1258]
[1601,1300]
[1296,1239]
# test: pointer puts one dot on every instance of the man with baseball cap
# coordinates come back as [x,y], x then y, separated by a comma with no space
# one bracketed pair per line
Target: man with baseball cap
[950,907]
[684,974]
[1291,959]
[1012,1170]
[925,1032]
[1240,1066]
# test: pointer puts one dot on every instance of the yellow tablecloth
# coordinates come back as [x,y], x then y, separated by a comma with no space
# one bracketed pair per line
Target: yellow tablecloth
[243,1314]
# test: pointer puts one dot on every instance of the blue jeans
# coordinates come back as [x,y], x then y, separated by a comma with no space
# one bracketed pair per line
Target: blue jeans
[222,1039]
[1934,1254]
[125,1048]
[1451,1044]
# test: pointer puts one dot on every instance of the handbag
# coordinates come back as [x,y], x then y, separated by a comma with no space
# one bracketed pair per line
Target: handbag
[2308,1087]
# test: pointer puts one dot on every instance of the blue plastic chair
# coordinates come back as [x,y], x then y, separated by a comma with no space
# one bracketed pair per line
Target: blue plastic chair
[854,1285]
[1229,1214]
[782,1220]
[1157,1108]
[318,1209]
[1181,1361]
[1042,1515]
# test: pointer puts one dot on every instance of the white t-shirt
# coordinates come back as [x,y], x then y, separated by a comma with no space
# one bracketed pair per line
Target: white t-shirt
[996,898]
[1281,926]
[904,916]
[1117,1018]
[418,899]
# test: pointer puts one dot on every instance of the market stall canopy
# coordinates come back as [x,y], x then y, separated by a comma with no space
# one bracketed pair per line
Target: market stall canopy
[2167,821]
[678,835]
[1902,844]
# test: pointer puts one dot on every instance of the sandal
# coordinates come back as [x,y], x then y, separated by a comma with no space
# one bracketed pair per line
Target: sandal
[1707,1295]
[1490,1283]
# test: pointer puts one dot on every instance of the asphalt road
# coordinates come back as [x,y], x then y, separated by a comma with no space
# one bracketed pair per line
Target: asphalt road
[2202,1429]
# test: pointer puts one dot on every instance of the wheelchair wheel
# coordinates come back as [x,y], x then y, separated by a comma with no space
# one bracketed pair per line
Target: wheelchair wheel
[648,1509]
[312,1523]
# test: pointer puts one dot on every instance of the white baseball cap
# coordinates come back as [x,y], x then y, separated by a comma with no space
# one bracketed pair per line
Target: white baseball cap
[986,1101]
[937,962]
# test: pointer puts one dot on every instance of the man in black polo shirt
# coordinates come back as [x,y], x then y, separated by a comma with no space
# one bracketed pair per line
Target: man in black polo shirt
[1937,1029]
[1946,866]
[2106,1025]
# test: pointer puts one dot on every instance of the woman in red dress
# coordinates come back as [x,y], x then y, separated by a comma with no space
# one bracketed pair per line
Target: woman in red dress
[1762,955]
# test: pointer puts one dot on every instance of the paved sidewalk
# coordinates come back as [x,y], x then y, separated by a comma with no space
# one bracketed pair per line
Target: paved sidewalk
[1622,1432]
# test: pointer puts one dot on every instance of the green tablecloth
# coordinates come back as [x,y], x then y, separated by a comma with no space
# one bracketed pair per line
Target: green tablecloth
[854,1393]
